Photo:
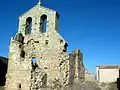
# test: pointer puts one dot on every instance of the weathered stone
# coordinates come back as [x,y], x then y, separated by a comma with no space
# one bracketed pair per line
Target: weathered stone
[38,58]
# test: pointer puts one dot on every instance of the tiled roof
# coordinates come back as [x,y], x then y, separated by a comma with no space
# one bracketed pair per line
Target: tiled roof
[109,67]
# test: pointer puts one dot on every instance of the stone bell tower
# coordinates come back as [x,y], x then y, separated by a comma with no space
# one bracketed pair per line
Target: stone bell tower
[38,20]
[37,53]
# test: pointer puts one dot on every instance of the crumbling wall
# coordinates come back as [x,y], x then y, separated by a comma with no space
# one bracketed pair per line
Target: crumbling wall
[54,67]
[71,68]
[77,69]
[18,74]
[38,78]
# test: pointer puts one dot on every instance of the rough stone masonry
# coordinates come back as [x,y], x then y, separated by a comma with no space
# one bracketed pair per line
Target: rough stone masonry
[38,55]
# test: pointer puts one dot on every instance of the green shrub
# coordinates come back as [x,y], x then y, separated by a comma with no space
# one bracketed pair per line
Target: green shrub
[2,88]
[112,86]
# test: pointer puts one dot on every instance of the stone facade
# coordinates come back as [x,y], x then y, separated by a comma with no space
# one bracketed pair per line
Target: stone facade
[38,55]
[107,73]
[76,67]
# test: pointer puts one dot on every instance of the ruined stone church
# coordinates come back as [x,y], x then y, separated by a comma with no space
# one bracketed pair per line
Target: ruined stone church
[38,56]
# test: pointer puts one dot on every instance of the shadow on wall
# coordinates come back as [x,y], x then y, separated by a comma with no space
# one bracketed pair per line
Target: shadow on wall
[3,70]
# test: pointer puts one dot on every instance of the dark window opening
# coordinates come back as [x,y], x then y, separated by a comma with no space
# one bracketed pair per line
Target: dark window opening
[22,54]
[43,23]
[36,41]
[64,50]
[35,23]
[34,63]
[19,86]
[20,46]
[65,47]
[61,41]
[28,25]
[46,68]
[46,41]
[33,60]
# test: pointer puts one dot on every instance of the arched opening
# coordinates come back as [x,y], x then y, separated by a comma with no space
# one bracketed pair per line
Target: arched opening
[34,63]
[34,60]
[65,47]
[28,25]
[43,23]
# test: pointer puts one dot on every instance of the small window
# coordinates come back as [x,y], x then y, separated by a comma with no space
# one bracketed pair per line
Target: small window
[35,23]
[22,54]
[61,41]
[19,86]
[34,60]
[34,63]
[64,50]
[36,41]
[46,41]
[65,47]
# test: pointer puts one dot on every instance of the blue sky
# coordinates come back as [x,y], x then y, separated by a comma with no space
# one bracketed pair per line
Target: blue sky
[91,25]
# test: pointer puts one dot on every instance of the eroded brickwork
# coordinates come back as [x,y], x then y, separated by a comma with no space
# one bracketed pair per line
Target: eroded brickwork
[38,58]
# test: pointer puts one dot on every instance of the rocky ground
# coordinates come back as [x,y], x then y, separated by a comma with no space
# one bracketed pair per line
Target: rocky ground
[87,86]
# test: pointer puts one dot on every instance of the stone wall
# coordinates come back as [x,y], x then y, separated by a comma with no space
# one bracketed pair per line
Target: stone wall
[39,59]
[77,69]
[46,71]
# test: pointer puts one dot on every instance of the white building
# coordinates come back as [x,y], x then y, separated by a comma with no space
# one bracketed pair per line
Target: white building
[107,73]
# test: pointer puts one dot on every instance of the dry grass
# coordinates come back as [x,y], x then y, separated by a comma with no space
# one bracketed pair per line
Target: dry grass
[86,86]
[1,88]
[113,86]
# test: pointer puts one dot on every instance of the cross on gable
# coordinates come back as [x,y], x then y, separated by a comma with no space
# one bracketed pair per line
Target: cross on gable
[39,3]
